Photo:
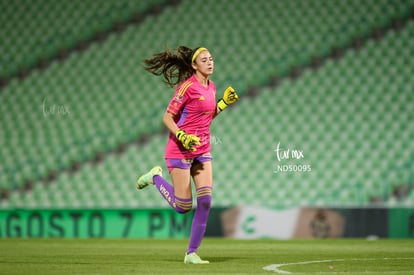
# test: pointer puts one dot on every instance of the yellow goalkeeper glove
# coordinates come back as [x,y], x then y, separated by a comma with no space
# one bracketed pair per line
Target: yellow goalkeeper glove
[229,97]
[188,140]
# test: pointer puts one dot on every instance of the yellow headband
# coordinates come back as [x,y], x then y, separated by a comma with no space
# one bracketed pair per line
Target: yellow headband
[196,53]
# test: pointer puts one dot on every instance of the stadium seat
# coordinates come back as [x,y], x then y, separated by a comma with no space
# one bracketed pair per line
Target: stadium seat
[340,114]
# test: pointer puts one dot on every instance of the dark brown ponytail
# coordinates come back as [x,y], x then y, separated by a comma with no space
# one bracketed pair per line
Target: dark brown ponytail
[174,67]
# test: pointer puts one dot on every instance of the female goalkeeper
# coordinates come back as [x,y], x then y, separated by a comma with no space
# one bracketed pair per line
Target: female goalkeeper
[188,118]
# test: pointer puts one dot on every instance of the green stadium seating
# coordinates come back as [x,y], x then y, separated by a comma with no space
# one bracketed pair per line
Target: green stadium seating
[351,117]
[33,31]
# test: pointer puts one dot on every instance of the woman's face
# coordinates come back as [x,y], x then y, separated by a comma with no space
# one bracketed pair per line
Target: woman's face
[204,63]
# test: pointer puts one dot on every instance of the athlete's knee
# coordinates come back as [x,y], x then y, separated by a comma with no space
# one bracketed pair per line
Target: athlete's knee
[181,211]
[204,201]
[182,206]
[204,197]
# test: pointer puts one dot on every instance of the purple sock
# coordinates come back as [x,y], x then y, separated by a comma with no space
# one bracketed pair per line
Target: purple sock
[202,211]
[180,205]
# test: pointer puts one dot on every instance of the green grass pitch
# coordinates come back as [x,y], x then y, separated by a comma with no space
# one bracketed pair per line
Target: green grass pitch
[102,256]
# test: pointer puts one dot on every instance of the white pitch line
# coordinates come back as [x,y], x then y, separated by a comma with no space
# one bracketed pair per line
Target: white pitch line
[276,267]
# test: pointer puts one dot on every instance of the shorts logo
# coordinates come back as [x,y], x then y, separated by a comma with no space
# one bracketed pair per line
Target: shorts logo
[187,161]
[207,155]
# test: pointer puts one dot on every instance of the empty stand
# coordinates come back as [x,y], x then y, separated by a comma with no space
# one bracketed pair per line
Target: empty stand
[351,118]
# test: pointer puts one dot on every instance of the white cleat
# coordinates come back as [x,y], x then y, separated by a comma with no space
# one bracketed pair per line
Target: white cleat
[193,258]
[147,178]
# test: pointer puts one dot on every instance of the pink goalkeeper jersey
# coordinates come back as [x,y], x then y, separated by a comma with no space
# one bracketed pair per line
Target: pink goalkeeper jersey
[194,106]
